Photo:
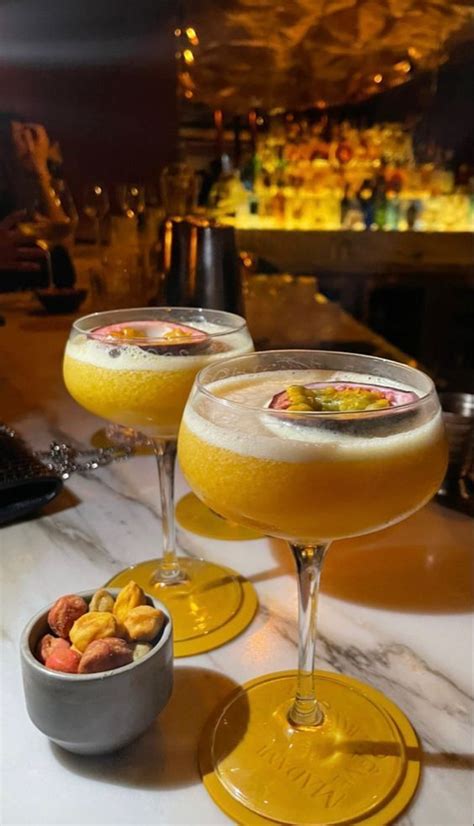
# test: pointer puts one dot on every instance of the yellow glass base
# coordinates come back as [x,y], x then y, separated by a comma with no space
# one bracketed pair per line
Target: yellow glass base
[116,435]
[197,518]
[362,765]
[210,607]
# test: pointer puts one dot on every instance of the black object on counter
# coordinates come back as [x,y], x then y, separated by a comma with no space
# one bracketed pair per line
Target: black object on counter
[62,270]
[26,484]
[64,274]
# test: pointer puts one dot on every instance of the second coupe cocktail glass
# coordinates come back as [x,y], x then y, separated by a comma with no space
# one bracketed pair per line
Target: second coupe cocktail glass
[135,368]
[311,447]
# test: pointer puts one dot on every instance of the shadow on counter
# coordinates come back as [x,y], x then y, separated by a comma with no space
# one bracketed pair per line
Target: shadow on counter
[424,564]
[165,756]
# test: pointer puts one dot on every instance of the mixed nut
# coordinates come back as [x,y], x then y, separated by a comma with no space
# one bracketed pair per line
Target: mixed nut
[105,634]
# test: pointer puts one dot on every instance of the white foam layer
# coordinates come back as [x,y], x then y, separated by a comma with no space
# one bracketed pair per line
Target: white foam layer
[265,435]
[96,353]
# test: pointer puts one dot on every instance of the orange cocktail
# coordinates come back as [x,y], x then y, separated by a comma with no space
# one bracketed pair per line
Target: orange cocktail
[135,367]
[304,480]
[311,447]
[122,377]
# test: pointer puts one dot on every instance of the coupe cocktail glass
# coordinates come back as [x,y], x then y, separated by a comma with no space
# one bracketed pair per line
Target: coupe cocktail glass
[135,368]
[311,446]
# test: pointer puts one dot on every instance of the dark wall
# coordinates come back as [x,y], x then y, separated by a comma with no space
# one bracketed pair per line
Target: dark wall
[100,75]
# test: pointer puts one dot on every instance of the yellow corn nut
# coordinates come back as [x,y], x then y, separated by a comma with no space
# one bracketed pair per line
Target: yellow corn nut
[129,597]
[95,625]
[144,623]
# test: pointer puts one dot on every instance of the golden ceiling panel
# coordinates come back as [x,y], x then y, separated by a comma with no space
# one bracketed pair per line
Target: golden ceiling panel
[294,53]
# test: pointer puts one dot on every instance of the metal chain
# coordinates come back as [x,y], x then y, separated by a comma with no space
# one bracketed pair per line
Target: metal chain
[64,459]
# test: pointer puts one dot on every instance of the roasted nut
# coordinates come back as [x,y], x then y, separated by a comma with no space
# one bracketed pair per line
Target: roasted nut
[103,655]
[140,649]
[96,625]
[63,659]
[65,611]
[102,601]
[129,597]
[144,622]
[47,645]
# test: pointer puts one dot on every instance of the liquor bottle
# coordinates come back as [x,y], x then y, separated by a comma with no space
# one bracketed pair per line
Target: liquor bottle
[345,205]
[366,199]
[278,205]
[412,215]
[393,210]
[380,203]
[228,197]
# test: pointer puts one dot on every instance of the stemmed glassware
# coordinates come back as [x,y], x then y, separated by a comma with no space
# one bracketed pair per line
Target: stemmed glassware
[135,367]
[131,199]
[310,447]
[96,206]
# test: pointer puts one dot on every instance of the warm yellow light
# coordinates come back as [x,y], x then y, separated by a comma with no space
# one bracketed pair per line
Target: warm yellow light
[414,53]
[177,32]
[188,56]
[188,94]
[260,121]
[98,190]
[191,33]
[321,104]
[403,66]
[378,78]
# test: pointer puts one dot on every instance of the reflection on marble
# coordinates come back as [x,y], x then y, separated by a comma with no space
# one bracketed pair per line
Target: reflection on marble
[394,612]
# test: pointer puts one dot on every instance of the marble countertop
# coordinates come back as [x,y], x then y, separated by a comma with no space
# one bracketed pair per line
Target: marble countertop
[394,612]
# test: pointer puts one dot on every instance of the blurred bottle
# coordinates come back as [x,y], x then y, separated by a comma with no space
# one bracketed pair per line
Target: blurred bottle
[366,200]
[178,189]
[228,197]
[380,203]
[278,206]
[345,205]
[350,210]
[393,210]
[412,215]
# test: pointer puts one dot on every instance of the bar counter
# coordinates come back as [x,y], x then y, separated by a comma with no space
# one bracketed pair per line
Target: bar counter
[394,612]
[422,254]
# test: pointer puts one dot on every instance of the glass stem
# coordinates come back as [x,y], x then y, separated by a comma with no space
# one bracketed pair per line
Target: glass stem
[306,710]
[98,239]
[169,571]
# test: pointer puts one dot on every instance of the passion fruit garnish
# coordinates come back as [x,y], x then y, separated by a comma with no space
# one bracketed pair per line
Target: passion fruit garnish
[336,397]
[158,337]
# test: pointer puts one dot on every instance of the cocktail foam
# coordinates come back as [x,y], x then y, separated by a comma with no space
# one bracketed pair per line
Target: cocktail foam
[123,355]
[270,435]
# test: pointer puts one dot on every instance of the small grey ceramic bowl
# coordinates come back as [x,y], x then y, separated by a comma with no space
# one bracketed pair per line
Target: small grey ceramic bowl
[96,713]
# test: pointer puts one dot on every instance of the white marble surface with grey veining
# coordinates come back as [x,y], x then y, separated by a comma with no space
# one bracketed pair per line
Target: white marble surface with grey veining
[394,612]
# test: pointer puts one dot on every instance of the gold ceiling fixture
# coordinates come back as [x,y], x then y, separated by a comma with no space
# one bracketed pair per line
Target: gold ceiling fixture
[293,53]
